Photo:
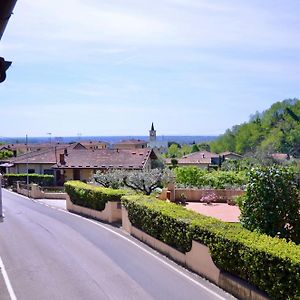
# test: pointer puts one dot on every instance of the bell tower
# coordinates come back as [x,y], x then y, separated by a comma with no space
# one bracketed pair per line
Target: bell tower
[152,134]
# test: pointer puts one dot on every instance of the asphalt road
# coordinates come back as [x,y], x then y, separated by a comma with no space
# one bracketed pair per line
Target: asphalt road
[49,253]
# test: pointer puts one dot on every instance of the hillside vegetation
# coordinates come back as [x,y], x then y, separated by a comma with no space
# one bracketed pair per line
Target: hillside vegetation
[274,130]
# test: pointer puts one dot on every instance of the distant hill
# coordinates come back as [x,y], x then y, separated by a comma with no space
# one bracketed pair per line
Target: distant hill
[275,130]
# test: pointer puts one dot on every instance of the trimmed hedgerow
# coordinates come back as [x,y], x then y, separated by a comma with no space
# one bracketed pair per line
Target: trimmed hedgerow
[271,264]
[166,222]
[42,180]
[90,196]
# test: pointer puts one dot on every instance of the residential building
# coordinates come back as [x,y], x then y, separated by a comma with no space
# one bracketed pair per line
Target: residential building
[230,156]
[201,159]
[94,144]
[130,144]
[75,162]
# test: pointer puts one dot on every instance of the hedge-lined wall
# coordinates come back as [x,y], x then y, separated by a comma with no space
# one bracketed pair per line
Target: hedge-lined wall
[42,180]
[91,196]
[271,264]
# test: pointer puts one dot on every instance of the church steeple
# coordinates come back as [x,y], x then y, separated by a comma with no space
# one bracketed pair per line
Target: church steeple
[152,134]
[152,127]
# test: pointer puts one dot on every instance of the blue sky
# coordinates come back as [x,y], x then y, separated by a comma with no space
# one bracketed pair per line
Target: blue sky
[193,67]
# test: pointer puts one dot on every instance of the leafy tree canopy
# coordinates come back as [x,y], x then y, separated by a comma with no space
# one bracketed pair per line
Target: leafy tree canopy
[274,130]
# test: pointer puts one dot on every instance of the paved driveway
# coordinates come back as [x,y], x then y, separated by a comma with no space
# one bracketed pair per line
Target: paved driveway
[221,211]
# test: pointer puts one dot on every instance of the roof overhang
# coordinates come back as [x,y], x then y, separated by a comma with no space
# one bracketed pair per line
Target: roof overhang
[6,165]
[6,9]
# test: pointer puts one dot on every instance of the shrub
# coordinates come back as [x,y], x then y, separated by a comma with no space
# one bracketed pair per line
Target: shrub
[42,180]
[194,176]
[271,264]
[167,222]
[86,195]
[189,176]
[271,204]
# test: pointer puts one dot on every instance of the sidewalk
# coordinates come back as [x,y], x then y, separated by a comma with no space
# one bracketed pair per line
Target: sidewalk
[221,211]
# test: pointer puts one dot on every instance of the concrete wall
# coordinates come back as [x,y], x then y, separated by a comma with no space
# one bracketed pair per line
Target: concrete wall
[112,212]
[35,192]
[198,260]
[22,168]
[85,174]
[195,195]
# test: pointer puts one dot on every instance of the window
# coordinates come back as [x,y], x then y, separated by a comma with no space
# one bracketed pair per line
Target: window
[48,172]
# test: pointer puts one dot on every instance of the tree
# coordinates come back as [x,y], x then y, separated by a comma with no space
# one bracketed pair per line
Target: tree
[6,154]
[277,128]
[112,178]
[147,181]
[271,204]
[204,147]
[195,148]
[173,151]
[142,181]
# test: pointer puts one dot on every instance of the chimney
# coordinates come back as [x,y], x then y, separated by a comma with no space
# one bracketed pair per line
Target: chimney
[65,152]
[62,159]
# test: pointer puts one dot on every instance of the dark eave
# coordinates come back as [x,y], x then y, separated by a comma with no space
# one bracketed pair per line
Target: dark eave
[6,9]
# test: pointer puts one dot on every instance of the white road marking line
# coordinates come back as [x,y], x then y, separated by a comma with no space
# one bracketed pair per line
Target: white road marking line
[148,252]
[137,245]
[7,281]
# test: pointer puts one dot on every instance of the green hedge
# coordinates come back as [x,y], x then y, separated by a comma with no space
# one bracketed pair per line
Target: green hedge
[196,177]
[91,196]
[42,180]
[271,264]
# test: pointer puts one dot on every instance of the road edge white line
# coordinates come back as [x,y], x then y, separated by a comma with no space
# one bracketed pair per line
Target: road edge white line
[11,292]
[147,251]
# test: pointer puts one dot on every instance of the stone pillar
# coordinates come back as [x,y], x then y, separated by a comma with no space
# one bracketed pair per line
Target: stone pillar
[35,191]
[171,189]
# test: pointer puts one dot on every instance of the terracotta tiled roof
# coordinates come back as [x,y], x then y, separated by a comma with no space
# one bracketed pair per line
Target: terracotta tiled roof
[230,153]
[132,142]
[201,157]
[93,143]
[34,146]
[107,158]
[46,156]
[280,156]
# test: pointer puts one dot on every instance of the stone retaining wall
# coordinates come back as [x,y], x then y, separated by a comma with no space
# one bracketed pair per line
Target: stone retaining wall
[195,195]
[36,192]
[111,214]
[199,261]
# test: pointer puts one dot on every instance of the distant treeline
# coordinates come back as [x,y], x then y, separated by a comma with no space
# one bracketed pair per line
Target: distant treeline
[274,130]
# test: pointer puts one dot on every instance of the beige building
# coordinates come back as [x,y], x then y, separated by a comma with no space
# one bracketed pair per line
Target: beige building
[201,159]
[130,144]
[78,163]
[83,164]
[230,156]
[94,145]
